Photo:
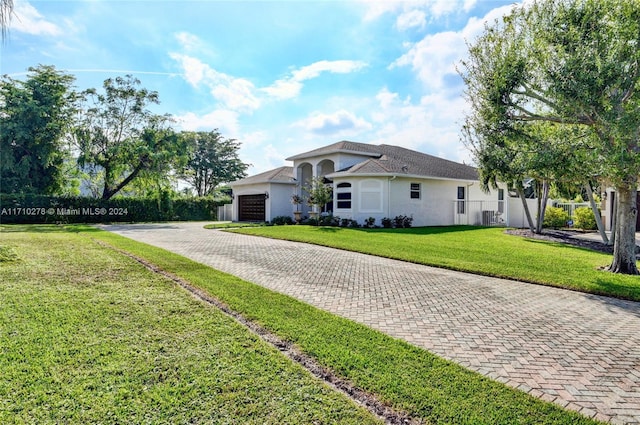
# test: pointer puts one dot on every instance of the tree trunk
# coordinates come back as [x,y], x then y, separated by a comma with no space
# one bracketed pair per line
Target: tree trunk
[109,192]
[542,205]
[624,247]
[614,213]
[596,213]
[525,206]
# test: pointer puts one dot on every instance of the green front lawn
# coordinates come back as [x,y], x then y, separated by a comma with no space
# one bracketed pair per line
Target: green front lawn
[89,336]
[487,251]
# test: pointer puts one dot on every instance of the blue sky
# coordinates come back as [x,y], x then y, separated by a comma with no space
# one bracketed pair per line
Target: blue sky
[281,77]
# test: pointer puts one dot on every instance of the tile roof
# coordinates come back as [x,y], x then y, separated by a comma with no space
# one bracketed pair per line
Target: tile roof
[278,175]
[397,160]
[343,146]
[377,160]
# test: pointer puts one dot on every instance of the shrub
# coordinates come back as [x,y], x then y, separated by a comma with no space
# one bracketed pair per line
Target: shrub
[329,220]
[310,221]
[584,219]
[555,217]
[348,222]
[401,221]
[282,220]
[33,208]
[387,223]
[370,222]
[354,224]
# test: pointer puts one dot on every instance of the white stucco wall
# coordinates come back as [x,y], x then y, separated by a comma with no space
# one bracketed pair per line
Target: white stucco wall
[435,207]
[279,202]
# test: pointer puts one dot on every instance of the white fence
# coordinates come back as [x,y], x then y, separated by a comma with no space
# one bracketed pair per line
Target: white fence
[480,213]
[570,207]
[225,212]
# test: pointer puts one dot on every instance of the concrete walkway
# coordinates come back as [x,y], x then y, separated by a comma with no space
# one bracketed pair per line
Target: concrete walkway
[579,351]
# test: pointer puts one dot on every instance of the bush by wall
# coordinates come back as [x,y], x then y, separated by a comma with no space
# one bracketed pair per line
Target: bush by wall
[282,220]
[584,219]
[28,208]
[555,217]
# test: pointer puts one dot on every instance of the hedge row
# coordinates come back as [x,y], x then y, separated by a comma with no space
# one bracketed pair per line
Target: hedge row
[26,209]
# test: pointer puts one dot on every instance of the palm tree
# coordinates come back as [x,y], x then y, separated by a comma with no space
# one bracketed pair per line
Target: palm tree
[6,10]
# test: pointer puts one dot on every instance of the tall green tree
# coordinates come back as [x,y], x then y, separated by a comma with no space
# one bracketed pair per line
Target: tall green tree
[573,63]
[119,136]
[212,160]
[35,117]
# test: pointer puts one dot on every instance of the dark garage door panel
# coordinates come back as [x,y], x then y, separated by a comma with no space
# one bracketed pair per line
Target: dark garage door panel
[251,208]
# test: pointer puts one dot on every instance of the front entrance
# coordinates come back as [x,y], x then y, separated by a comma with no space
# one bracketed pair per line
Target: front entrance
[251,208]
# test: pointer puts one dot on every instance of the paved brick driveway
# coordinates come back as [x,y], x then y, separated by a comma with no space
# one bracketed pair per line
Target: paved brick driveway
[579,351]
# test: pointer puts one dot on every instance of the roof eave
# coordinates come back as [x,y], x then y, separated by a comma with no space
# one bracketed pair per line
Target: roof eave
[409,176]
[334,151]
[263,181]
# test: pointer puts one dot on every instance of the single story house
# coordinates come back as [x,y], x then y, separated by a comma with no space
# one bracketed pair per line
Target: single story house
[378,181]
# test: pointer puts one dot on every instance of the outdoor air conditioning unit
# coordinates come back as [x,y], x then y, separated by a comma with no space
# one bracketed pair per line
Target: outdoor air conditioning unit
[488,218]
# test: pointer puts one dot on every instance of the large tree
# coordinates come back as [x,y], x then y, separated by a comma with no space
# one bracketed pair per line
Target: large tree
[35,117]
[573,63]
[211,160]
[118,136]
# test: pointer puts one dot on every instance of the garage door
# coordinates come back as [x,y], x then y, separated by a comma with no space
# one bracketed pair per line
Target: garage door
[251,208]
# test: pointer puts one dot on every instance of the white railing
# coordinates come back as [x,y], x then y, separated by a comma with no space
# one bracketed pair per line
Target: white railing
[480,213]
[570,207]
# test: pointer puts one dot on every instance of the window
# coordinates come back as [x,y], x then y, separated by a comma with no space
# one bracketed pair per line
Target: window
[460,200]
[343,195]
[415,191]
[501,200]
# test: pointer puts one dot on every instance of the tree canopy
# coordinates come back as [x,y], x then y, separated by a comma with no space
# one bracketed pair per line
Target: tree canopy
[56,140]
[211,160]
[118,133]
[572,63]
[35,118]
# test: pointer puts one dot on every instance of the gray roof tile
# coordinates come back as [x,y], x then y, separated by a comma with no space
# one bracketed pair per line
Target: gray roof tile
[278,175]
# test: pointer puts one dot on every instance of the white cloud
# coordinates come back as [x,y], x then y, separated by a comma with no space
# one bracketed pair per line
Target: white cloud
[233,93]
[335,67]
[434,8]
[430,125]
[27,19]
[262,156]
[284,89]
[224,120]
[340,122]
[434,58]
[291,86]
[188,41]
[411,19]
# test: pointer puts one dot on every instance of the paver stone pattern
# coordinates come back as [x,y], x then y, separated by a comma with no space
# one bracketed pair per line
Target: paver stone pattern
[580,351]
